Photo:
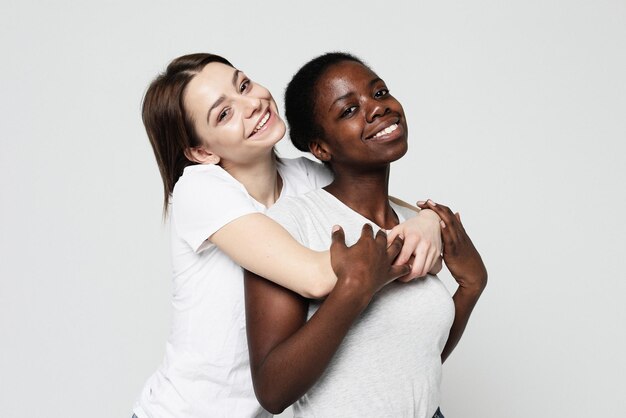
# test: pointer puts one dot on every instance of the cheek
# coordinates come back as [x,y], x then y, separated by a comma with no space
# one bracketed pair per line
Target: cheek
[224,138]
[262,92]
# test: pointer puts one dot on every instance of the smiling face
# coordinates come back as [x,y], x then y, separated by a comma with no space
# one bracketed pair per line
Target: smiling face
[236,119]
[363,124]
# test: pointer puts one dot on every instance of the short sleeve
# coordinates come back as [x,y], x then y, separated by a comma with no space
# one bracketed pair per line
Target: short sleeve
[205,199]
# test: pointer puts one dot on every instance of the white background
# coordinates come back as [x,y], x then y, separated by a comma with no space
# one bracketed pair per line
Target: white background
[517,115]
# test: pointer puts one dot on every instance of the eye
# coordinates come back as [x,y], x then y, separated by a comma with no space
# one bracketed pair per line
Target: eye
[349,111]
[223,114]
[381,93]
[245,84]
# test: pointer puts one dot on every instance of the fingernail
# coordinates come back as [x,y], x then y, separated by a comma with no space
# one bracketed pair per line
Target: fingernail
[431,203]
[443,224]
[421,202]
[336,228]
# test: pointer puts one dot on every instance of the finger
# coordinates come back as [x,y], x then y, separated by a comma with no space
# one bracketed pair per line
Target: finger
[436,268]
[408,248]
[396,231]
[448,237]
[394,249]
[429,265]
[406,278]
[398,271]
[418,269]
[338,237]
[381,237]
[443,211]
[458,216]
[367,231]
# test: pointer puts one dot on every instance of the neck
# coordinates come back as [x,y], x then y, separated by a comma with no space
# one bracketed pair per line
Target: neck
[365,192]
[260,178]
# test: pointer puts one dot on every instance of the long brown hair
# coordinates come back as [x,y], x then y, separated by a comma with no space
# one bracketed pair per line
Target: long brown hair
[169,128]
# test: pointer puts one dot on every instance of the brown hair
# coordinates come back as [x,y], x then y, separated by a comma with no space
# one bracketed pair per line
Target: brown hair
[169,128]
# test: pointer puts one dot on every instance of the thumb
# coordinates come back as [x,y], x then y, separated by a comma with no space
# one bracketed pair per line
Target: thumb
[396,231]
[398,271]
[338,237]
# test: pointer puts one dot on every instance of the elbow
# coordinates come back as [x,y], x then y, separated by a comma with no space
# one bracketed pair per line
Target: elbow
[270,391]
[322,281]
[271,402]
[320,289]
[321,278]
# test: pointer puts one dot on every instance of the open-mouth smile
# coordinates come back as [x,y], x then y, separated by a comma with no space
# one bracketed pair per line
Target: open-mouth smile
[385,131]
[262,122]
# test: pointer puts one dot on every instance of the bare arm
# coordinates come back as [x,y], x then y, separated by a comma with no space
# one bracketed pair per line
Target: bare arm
[259,244]
[467,268]
[422,241]
[287,353]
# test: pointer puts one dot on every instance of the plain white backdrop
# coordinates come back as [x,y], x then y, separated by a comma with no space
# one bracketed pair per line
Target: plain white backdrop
[517,117]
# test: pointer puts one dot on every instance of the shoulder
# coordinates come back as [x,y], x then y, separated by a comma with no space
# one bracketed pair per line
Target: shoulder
[201,176]
[205,179]
[303,169]
[208,192]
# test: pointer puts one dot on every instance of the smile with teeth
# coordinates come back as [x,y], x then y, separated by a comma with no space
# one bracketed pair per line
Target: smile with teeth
[386,131]
[261,123]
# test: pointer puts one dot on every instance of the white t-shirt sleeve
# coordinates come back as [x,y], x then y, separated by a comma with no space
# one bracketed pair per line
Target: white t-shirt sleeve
[204,200]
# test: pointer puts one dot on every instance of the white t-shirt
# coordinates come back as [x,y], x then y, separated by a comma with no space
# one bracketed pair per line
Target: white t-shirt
[389,363]
[206,370]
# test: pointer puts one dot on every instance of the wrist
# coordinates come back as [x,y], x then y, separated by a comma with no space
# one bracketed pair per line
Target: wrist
[352,291]
[429,213]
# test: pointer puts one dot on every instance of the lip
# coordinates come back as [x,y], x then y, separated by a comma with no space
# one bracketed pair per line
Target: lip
[270,120]
[384,125]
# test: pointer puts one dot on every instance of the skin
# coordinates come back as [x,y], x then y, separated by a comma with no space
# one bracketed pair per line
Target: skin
[288,353]
[226,108]
[465,265]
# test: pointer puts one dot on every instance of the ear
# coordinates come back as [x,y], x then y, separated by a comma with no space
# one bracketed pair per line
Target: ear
[320,150]
[201,156]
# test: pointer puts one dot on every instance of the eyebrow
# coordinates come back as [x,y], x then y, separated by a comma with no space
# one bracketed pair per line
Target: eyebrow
[341,98]
[371,84]
[374,81]
[222,97]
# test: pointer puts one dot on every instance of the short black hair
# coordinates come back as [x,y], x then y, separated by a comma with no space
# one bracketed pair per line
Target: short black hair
[300,98]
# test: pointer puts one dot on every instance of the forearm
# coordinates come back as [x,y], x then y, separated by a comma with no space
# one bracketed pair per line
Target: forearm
[464,302]
[291,367]
[274,254]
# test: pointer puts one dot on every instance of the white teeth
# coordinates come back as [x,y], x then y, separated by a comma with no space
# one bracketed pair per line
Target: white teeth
[262,123]
[387,130]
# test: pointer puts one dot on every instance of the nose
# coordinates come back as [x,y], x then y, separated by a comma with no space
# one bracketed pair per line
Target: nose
[376,109]
[251,106]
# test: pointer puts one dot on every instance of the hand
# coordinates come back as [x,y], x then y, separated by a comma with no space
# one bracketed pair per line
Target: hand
[459,253]
[422,244]
[368,265]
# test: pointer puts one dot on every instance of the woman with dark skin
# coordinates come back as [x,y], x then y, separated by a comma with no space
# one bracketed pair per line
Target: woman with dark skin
[358,129]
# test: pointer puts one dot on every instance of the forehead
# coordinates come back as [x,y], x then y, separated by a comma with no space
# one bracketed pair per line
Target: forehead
[341,79]
[214,80]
